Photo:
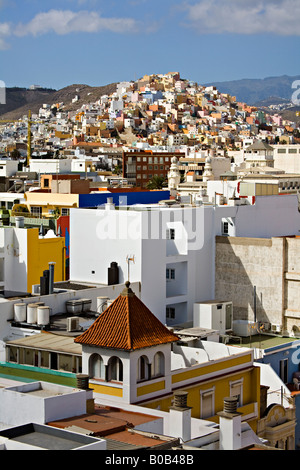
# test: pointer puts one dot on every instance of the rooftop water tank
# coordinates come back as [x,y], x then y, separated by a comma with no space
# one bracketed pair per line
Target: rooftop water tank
[43,315]
[32,313]
[20,310]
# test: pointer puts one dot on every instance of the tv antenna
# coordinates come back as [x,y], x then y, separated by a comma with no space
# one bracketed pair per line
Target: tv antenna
[128,260]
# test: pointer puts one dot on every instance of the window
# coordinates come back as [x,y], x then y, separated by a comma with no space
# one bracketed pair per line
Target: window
[46,183]
[96,367]
[236,390]
[170,234]
[170,312]
[143,368]
[65,211]
[207,403]
[225,228]
[170,273]
[158,365]
[115,369]
[13,354]
[283,370]
[36,211]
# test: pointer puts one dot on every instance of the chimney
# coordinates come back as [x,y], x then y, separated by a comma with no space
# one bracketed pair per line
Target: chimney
[230,425]
[180,417]
[51,277]
[82,381]
[110,206]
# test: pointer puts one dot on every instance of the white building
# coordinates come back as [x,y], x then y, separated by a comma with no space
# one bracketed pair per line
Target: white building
[172,248]
[8,168]
[287,158]
[43,166]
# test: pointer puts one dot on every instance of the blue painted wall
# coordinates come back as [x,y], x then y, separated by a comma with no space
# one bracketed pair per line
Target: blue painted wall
[123,198]
[289,351]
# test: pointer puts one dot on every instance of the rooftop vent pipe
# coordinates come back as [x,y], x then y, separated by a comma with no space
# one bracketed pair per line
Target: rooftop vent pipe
[19,222]
[44,283]
[51,277]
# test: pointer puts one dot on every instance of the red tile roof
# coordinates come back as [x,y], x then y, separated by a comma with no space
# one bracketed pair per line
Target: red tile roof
[126,324]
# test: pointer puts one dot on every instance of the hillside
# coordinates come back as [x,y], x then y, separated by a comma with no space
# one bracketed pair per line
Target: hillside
[20,100]
[255,91]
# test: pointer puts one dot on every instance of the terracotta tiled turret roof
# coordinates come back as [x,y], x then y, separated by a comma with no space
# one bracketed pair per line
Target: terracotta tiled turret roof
[126,324]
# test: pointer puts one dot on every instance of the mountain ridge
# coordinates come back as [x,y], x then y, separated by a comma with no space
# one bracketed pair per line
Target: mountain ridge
[20,100]
[255,90]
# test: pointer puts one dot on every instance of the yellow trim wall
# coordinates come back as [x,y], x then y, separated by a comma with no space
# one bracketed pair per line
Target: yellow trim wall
[107,390]
[40,252]
[151,388]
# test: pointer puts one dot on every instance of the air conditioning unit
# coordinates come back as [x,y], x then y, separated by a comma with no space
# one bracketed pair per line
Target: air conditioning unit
[73,324]
[264,326]
[275,328]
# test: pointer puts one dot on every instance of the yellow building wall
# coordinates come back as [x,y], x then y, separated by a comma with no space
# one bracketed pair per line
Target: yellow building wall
[221,384]
[50,201]
[42,251]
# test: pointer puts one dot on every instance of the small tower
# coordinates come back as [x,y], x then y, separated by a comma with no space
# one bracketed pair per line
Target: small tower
[127,350]
[173,176]
[208,173]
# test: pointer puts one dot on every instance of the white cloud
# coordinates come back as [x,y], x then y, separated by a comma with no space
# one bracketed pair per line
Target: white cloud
[66,21]
[279,17]
[5,30]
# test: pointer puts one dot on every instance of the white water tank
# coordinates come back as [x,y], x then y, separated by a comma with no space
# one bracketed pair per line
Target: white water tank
[20,312]
[19,222]
[102,304]
[43,315]
[32,313]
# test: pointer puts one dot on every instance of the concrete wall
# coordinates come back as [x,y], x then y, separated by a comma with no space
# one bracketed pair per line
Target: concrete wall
[23,404]
[241,264]
[271,266]
[289,160]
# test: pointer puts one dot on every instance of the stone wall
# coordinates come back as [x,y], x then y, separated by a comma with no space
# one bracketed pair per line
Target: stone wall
[249,272]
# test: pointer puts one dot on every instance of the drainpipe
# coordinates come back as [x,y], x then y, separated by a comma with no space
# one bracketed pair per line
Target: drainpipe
[283,323]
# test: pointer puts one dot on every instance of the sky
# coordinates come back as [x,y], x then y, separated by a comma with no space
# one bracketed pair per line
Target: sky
[97,42]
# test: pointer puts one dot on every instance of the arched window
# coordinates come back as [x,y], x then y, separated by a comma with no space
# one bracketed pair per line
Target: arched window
[115,369]
[143,368]
[158,365]
[96,367]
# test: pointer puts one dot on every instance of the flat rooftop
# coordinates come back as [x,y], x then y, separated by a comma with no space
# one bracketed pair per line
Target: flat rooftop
[264,341]
[116,426]
[45,437]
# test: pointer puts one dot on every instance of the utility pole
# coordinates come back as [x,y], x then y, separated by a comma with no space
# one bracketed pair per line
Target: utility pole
[29,139]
